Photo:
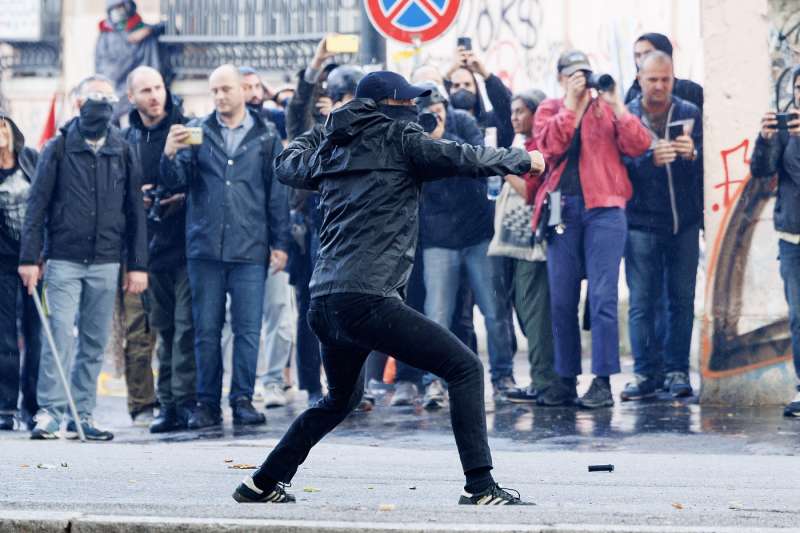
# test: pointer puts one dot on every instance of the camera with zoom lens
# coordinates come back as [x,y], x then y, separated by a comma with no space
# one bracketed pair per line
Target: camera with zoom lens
[156,211]
[600,82]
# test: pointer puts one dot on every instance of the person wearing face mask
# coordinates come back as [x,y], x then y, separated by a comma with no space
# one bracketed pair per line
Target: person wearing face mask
[462,86]
[17,169]
[368,163]
[455,229]
[84,213]
[126,42]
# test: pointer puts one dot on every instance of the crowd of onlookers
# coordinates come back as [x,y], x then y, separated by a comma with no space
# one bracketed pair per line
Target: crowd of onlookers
[174,233]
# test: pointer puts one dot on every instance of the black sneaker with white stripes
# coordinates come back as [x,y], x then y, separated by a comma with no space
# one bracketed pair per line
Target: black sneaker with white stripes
[494,495]
[247,492]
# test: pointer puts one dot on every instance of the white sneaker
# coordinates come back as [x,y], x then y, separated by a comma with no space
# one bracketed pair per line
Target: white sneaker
[258,392]
[434,396]
[274,396]
[47,427]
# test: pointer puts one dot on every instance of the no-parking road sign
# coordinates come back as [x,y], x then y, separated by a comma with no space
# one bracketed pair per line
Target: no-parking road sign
[408,21]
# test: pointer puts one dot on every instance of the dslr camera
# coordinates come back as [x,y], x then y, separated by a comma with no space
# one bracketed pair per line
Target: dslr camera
[599,82]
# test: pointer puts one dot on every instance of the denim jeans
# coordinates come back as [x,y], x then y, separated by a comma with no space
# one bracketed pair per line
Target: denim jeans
[790,272]
[649,258]
[18,318]
[591,246]
[308,357]
[349,326]
[278,326]
[210,281]
[171,318]
[86,292]
[441,272]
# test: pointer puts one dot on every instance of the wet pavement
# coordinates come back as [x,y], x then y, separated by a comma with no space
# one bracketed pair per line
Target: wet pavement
[660,425]
[677,464]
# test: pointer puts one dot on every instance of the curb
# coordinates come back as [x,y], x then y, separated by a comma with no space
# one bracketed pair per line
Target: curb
[38,522]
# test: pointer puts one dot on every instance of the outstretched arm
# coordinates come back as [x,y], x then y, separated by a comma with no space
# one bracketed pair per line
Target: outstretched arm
[434,159]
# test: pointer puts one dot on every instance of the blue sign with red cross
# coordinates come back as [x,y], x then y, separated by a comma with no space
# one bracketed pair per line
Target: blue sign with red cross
[412,21]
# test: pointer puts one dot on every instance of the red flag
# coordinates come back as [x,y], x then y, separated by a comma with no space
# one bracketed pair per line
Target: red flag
[49,126]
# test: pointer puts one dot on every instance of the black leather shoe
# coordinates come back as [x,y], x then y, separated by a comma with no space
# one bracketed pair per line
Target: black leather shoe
[166,421]
[7,422]
[244,414]
[204,416]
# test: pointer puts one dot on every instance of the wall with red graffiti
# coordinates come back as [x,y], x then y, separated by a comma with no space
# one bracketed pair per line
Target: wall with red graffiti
[745,350]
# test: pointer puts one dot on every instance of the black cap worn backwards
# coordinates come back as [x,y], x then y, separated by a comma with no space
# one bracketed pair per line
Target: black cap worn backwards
[385,84]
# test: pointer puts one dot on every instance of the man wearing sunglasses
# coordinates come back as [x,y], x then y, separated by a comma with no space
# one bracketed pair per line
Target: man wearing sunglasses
[84,215]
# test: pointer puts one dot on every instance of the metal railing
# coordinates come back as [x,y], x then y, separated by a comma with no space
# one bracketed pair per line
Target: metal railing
[264,34]
[40,57]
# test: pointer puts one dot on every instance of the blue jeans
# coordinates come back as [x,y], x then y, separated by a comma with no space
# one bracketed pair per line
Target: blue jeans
[649,259]
[308,355]
[790,272]
[86,292]
[210,281]
[591,246]
[441,272]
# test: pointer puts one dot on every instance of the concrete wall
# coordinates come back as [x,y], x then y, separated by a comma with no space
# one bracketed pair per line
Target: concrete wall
[745,356]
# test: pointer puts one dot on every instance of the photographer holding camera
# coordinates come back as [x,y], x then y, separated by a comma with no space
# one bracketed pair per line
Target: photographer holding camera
[170,313]
[583,138]
[778,150]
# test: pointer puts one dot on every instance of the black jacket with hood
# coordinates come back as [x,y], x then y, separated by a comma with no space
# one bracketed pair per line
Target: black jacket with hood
[90,204]
[500,115]
[14,192]
[781,154]
[167,238]
[369,170]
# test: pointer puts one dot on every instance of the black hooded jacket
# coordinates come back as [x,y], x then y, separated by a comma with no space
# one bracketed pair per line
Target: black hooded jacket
[500,115]
[369,170]
[14,191]
[167,239]
[89,203]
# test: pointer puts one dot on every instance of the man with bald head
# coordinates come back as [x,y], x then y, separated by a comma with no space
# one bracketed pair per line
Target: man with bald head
[664,218]
[236,227]
[168,296]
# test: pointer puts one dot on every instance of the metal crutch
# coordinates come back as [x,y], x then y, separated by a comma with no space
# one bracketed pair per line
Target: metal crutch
[52,342]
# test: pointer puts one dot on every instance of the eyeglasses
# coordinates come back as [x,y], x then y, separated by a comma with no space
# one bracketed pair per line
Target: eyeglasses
[101,97]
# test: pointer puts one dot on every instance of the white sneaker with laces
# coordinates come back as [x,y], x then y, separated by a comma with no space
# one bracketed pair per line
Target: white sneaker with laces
[274,396]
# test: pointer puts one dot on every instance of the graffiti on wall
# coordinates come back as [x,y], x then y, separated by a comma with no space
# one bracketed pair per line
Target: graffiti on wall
[748,326]
[745,334]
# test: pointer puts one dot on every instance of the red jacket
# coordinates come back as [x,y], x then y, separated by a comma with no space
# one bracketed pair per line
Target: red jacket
[532,182]
[604,140]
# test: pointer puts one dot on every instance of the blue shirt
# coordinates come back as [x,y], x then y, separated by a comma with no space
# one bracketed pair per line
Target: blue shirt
[233,137]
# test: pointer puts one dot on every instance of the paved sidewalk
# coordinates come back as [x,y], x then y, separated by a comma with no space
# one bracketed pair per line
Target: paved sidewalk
[343,482]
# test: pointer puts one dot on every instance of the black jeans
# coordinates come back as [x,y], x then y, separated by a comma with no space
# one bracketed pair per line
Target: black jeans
[171,318]
[14,305]
[349,326]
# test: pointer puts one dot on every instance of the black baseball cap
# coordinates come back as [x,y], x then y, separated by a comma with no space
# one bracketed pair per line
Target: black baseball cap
[386,84]
[572,61]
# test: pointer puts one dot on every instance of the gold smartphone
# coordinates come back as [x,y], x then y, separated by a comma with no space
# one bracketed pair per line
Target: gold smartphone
[195,136]
[341,43]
